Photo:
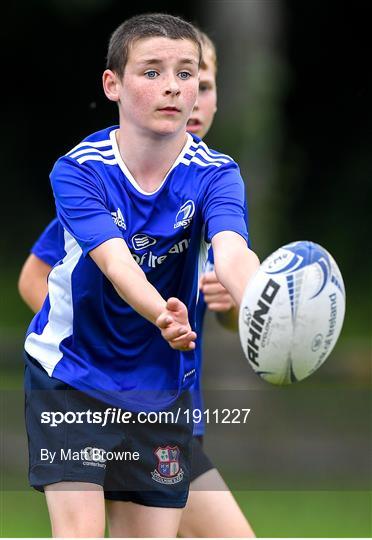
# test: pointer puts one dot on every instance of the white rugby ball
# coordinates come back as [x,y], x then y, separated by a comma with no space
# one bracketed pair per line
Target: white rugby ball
[292,313]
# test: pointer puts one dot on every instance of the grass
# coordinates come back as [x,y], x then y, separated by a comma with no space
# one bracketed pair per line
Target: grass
[273,514]
[308,513]
[333,514]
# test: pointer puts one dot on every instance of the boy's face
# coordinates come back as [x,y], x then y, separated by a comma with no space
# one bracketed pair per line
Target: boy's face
[160,85]
[206,106]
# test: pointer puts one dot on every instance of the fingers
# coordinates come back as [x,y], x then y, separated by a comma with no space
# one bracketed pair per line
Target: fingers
[164,320]
[184,343]
[218,299]
[170,329]
[175,327]
[219,307]
[213,288]
[209,284]
[179,337]
[222,296]
[209,277]
[175,332]
[216,296]
[175,305]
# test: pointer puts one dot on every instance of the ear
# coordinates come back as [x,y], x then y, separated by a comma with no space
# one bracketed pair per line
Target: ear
[111,85]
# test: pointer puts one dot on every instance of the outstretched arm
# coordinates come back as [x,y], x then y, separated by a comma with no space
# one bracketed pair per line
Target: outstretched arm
[234,262]
[116,262]
[33,282]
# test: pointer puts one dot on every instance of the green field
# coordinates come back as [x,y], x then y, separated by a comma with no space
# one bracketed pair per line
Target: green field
[271,513]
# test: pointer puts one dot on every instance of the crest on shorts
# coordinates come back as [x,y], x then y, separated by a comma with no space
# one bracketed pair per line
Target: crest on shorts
[168,470]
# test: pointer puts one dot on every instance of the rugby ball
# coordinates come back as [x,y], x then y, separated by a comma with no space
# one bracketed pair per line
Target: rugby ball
[292,313]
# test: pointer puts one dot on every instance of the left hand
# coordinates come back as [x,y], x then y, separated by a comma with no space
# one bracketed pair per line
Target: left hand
[216,297]
[174,325]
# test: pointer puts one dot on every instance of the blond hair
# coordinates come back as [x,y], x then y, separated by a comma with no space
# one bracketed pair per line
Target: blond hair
[207,43]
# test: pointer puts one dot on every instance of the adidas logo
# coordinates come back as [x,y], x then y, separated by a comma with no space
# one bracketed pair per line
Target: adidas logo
[118,219]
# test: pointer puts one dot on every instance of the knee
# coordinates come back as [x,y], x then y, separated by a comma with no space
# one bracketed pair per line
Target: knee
[78,530]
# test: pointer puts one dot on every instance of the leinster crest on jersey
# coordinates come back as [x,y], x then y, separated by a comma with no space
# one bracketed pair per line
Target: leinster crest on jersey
[168,470]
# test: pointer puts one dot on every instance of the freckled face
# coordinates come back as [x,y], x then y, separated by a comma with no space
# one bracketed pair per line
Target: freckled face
[160,85]
[205,108]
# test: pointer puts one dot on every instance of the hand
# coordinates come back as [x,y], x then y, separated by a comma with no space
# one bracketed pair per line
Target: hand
[175,327]
[216,296]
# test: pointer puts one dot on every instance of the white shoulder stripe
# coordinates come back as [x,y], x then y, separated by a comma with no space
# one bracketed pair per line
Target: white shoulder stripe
[207,157]
[97,144]
[92,151]
[198,153]
[199,162]
[213,153]
[96,157]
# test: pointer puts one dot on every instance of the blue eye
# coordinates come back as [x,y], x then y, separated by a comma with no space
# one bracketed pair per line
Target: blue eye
[184,75]
[151,74]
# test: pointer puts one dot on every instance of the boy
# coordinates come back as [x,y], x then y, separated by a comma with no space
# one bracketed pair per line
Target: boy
[136,170]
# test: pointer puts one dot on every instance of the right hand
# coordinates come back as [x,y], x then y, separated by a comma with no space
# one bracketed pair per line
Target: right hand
[216,296]
[174,325]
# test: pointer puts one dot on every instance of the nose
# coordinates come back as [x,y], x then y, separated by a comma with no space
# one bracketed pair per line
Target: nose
[196,106]
[172,87]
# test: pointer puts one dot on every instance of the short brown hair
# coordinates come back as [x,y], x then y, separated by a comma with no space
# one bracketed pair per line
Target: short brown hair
[207,43]
[146,26]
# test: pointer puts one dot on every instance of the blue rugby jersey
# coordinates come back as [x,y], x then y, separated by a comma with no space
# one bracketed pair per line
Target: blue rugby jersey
[85,334]
[50,246]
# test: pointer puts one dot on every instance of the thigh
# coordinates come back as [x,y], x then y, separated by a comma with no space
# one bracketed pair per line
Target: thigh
[128,519]
[212,511]
[76,509]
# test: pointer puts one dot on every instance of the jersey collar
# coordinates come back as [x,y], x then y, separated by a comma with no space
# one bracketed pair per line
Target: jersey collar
[128,175]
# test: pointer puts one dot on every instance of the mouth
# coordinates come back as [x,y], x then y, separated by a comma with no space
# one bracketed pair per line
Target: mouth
[193,125]
[169,110]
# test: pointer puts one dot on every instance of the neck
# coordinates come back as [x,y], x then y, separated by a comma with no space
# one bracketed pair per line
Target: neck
[147,156]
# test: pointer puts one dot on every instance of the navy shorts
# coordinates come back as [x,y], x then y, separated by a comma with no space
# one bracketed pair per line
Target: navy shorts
[146,463]
[200,462]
